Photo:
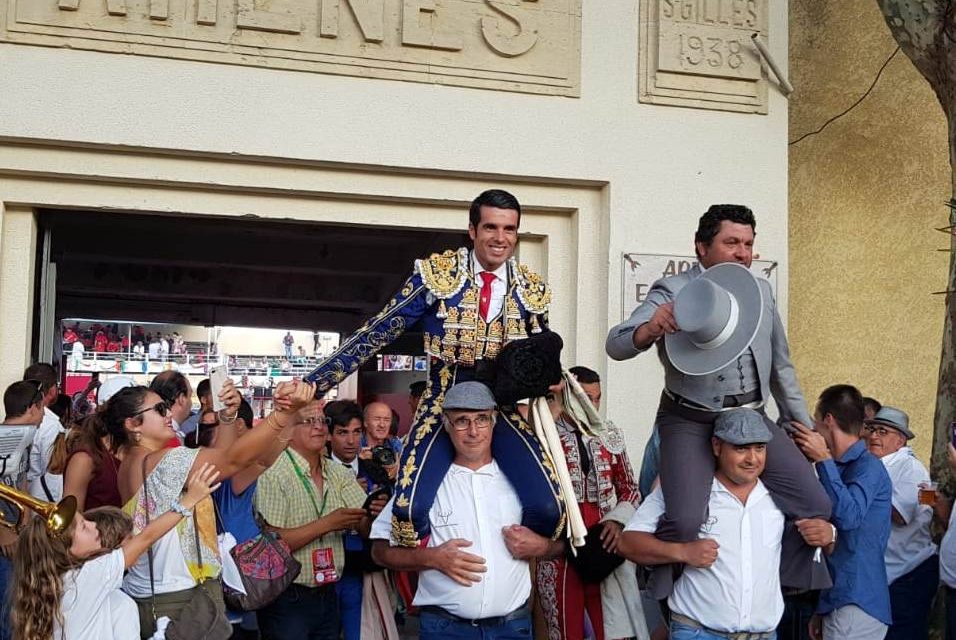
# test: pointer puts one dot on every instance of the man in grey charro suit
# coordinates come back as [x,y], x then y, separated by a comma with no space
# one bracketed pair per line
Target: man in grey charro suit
[702,385]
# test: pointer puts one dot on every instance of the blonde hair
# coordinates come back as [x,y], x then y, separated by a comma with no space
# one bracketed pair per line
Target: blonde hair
[114,525]
[38,567]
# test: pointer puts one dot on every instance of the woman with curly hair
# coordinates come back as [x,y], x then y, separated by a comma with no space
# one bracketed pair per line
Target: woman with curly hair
[67,585]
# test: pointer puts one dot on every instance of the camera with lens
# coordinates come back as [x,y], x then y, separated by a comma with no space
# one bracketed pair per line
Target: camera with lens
[382,456]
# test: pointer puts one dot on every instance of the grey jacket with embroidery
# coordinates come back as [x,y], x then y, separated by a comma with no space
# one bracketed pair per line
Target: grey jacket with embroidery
[770,352]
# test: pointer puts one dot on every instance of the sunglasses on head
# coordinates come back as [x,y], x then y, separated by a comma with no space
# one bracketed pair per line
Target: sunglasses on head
[160,407]
[38,393]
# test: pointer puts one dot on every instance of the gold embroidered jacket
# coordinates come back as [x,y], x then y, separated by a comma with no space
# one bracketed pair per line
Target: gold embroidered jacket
[443,293]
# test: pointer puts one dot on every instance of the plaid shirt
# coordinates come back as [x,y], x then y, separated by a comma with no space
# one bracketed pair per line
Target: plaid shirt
[285,503]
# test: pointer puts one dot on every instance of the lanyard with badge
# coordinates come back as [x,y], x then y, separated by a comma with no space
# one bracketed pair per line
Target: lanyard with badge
[323,560]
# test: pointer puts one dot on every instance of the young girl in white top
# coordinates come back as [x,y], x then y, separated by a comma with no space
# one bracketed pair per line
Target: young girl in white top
[67,586]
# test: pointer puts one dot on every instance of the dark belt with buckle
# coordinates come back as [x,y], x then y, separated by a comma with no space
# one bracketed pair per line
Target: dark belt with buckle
[496,621]
[750,399]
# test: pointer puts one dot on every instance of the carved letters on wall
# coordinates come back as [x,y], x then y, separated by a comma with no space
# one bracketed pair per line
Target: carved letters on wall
[699,53]
[516,45]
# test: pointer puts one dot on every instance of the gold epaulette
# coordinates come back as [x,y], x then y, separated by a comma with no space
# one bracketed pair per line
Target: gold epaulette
[444,274]
[533,291]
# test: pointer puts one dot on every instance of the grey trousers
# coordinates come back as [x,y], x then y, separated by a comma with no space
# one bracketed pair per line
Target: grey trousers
[852,623]
[687,473]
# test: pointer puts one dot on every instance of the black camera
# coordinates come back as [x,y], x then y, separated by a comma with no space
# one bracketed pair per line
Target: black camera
[384,455]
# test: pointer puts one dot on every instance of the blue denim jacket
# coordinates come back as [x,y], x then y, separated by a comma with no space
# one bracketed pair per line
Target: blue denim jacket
[861,492]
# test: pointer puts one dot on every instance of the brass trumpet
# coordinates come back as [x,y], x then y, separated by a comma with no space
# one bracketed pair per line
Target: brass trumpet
[58,516]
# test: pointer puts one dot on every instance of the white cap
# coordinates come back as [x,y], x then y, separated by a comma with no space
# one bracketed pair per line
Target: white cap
[109,388]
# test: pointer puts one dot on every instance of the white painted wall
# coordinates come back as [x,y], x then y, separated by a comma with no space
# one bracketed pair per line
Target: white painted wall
[662,165]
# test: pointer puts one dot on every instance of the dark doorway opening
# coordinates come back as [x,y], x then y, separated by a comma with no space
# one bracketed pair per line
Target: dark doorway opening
[229,271]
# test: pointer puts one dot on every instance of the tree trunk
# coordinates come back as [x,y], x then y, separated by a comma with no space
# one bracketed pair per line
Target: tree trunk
[926,32]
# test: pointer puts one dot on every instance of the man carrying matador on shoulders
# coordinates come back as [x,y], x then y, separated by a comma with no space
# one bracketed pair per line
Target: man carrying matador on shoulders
[469,303]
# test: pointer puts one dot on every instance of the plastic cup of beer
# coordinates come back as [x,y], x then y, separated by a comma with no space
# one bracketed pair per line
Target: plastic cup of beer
[928,493]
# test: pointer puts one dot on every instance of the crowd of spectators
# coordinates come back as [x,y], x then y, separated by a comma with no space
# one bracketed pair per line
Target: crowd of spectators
[303,475]
[318,477]
[110,338]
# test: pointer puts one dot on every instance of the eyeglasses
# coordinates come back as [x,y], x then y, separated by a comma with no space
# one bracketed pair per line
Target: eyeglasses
[481,421]
[160,407]
[880,431]
[311,423]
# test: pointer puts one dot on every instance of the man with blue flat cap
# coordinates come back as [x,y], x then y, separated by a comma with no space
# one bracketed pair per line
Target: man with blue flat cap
[730,587]
[474,580]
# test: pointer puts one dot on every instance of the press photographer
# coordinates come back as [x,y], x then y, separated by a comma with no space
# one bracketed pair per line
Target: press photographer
[379,447]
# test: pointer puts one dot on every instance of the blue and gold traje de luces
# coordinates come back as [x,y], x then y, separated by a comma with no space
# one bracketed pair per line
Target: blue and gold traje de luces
[442,294]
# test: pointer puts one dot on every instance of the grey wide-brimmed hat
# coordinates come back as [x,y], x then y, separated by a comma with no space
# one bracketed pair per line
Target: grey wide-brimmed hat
[469,396]
[741,426]
[718,314]
[894,419]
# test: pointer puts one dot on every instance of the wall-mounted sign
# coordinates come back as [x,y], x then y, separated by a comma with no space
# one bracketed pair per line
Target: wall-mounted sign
[531,46]
[699,53]
[641,270]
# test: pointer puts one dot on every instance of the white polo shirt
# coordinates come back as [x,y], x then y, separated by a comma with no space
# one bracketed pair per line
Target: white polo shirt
[741,590]
[475,506]
[910,544]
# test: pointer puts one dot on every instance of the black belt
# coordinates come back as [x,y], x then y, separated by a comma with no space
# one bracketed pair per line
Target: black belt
[495,621]
[727,402]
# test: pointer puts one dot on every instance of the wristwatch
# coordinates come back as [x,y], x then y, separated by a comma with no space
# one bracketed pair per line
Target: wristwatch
[178,507]
[833,527]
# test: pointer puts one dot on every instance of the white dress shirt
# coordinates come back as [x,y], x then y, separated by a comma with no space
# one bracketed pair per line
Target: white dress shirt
[498,286]
[354,465]
[910,544]
[741,590]
[475,506]
[40,452]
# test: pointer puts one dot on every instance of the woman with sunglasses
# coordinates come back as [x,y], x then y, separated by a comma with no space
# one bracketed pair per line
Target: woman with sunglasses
[187,558]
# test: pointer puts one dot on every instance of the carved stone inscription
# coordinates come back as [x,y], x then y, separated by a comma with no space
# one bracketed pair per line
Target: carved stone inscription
[516,45]
[699,53]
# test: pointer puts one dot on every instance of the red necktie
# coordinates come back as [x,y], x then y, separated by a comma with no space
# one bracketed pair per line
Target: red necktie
[484,302]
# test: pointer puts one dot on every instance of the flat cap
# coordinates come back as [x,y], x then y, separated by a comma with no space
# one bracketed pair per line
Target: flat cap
[741,426]
[469,396]
[894,419]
